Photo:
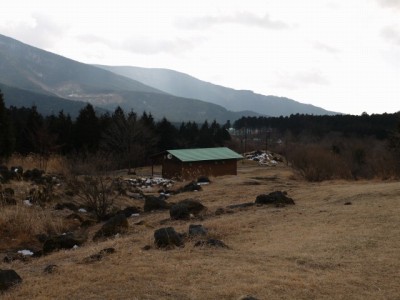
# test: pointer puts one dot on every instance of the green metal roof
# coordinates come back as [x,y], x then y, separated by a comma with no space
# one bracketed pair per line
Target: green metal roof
[201,154]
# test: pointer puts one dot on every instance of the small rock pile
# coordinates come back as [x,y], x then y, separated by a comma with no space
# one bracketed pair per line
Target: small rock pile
[264,158]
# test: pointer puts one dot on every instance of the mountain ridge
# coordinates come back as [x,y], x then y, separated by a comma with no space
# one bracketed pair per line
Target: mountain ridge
[185,85]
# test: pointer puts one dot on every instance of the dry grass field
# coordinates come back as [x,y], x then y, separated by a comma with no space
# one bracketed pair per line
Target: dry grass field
[319,248]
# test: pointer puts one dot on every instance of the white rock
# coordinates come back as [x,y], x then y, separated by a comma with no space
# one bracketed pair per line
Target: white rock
[28,202]
[25,252]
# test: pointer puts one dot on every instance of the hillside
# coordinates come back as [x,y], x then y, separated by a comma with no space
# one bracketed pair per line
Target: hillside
[32,69]
[339,241]
[184,85]
[46,104]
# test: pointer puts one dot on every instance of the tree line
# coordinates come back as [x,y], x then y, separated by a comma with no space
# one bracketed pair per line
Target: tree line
[380,126]
[129,138]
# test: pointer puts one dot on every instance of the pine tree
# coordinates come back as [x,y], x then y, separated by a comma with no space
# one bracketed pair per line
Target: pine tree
[7,139]
[87,130]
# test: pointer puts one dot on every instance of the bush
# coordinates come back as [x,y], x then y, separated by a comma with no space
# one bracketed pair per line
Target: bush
[98,194]
[316,163]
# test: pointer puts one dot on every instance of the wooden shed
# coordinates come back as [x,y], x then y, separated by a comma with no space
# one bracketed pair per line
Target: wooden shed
[186,164]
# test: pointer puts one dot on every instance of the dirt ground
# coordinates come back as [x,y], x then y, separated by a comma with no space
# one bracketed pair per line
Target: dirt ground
[319,248]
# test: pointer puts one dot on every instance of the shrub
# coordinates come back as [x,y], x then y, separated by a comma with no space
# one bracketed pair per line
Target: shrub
[97,194]
[316,163]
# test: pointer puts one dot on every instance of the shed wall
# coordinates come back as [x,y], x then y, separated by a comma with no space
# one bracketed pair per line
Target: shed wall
[192,170]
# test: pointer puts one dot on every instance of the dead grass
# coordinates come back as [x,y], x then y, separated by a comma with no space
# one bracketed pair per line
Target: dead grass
[316,249]
[55,164]
[20,223]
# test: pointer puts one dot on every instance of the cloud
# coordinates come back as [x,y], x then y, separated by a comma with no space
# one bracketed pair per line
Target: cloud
[241,18]
[391,34]
[94,39]
[151,46]
[300,80]
[389,3]
[40,31]
[325,48]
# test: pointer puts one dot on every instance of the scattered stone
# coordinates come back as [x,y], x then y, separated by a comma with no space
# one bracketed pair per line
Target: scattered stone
[212,243]
[25,252]
[154,203]
[27,202]
[348,203]
[117,224]
[50,269]
[167,237]
[17,171]
[248,297]
[242,205]
[129,211]
[185,208]
[63,241]
[34,175]
[74,216]
[219,211]
[88,222]
[203,180]
[42,237]
[68,205]
[12,256]
[196,230]
[8,279]
[190,187]
[99,256]
[278,198]
[5,174]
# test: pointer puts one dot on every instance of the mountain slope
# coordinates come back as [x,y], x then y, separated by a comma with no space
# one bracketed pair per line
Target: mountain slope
[35,70]
[46,104]
[30,68]
[184,85]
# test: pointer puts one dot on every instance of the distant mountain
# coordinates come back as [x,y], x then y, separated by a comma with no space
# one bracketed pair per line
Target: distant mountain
[46,104]
[36,72]
[184,85]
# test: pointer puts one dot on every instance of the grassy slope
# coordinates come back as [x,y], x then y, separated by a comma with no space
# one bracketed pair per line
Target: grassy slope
[319,248]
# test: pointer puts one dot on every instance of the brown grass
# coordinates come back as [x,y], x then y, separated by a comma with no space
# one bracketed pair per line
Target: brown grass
[20,223]
[317,249]
[55,164]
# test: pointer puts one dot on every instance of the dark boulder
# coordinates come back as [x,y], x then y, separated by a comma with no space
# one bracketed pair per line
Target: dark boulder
[277,198]
[196,230]
[167,237]
[155,203]
[185,208]
[8,278]
[117,224]
[63,241]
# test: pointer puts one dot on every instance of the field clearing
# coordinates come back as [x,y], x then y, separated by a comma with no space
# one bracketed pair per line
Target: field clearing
[319,248]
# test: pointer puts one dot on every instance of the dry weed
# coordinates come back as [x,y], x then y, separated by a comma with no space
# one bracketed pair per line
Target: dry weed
[22,220]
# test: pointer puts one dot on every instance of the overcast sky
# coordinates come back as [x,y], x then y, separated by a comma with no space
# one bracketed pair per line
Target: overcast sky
[342,55]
